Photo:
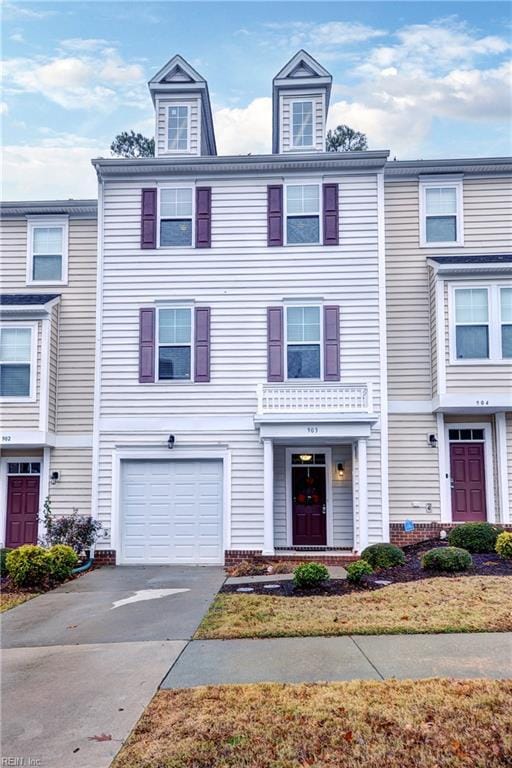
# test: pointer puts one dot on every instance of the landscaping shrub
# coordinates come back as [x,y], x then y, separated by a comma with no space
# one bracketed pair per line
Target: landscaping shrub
[310,575]
[475,537]
[447,559]
[383,555]
[3,565]
[77,531]
[63,560]
[356,571]
[246,568]
[29,566]
[504,544]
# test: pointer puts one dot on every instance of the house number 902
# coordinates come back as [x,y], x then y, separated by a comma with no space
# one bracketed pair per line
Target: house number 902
[312,430]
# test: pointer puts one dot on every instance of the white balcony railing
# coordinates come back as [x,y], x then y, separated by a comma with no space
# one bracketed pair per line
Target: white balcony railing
[314,398]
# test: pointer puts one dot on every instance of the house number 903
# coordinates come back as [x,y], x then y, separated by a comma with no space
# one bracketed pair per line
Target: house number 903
[312,430]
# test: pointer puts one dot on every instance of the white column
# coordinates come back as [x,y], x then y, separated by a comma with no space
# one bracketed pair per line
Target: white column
[444,471]
[362,465]
[44,489]
[501,454]
[268,497]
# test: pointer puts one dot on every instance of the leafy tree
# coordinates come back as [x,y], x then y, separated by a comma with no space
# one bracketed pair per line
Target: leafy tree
[131,144]
[345,139]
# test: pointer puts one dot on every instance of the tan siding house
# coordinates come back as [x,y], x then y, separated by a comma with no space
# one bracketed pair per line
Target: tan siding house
[48,295]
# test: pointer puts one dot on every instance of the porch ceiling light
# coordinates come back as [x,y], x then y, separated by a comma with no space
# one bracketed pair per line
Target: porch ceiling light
[305,456]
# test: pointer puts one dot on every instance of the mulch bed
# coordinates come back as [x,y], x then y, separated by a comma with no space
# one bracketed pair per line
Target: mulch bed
[489,564]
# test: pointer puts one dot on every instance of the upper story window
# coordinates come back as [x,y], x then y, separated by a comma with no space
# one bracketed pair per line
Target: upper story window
[176,216]
[506,321]
[174,343]
[47,251]
[178,130]
[303,343]
[302,124]
[441,221]
[16,361]
[302,214]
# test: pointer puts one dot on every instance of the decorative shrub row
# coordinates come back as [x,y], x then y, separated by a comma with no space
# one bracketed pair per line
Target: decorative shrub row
[449,559]
[504,544]
[35,567]
[475,537]
[309,575]
[356,571]
[3,565]
[383,555]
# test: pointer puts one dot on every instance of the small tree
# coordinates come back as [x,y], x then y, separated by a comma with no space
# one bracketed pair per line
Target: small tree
[131,144]
[345,139]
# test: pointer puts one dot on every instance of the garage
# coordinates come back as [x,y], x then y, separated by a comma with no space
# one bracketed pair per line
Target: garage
[171,511]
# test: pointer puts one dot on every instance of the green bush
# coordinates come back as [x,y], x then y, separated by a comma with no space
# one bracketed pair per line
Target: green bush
[310,575]
[29,566]
[475,537]
[63,560]
[383,555]
[447,559]
[504,544]
[356,571]
[3,565]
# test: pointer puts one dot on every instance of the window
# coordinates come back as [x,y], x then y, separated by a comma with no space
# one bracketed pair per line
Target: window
[15,362]
[177,128]
[47,251]
[465,434]
[302,214]
[506,321]
[441,217]
[24,468]
[302,123]
[471,323]
[176,216]
[303,342]
[174,343]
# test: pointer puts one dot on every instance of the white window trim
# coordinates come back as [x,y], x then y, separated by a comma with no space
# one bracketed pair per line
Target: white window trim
[189,125]
[494,324]
[32,397]
[193,216]
[445,184]
[328,490]
[38,221]
[190,380]
[301,343]
[302,183]
[305,147]
[488,466]
[502,323]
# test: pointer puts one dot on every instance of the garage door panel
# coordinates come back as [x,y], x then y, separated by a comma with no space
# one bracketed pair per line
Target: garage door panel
[171,511]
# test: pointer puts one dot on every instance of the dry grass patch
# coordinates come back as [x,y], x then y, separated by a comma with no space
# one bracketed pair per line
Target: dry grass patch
[467,604]
[425,724]
[10,600]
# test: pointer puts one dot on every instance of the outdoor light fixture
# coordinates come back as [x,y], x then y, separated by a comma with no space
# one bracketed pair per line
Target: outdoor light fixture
[432,441]
[305,457]
[170,442]
[54,477]
[341,470]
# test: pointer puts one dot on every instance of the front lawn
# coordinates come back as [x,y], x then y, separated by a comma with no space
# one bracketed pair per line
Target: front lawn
[426,724]
[465,604]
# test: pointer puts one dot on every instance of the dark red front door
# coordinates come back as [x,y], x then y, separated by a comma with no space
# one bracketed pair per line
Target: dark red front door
[308,498]
[22,510]
[467,468]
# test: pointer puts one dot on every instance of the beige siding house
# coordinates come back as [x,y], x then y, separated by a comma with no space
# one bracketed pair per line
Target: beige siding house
[47,333]
[449,314]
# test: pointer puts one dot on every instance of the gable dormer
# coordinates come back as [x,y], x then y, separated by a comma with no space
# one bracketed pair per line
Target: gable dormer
[300,100]
[183,113]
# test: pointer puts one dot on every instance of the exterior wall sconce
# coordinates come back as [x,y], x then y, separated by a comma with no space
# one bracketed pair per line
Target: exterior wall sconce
[341,470]
[305,457]
[170,442]
[55,477]
[432,441]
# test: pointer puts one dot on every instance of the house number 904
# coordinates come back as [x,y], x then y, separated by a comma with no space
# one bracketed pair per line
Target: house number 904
[312,430]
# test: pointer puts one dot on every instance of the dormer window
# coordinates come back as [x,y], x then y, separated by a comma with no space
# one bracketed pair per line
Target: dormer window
[178,128]
[302,124]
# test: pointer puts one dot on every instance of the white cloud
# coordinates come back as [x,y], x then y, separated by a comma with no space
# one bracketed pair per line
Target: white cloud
[3,108]
[326,37]
[15,11]
[17,37]
[240,131]
[84,43]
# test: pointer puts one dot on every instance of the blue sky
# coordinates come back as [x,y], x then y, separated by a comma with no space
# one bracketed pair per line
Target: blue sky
[427,79]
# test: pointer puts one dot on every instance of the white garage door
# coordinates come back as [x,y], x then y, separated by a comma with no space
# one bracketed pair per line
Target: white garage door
[171,511]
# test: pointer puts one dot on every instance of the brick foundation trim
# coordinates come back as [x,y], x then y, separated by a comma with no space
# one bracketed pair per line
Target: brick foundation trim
[423,532]
[105,557]
[236,556]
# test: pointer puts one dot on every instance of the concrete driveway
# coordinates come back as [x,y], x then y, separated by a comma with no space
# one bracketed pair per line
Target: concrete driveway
[80,664]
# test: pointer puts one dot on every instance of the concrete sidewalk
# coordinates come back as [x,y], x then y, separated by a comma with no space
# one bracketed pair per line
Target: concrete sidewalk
[361,657]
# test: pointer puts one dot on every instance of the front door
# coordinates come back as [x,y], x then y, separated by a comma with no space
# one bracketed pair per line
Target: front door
[309,505]
[467,468]
[22,510]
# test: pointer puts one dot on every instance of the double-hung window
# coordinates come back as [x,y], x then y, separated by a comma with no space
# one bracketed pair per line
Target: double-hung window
[178,128]
[47,251]
[302,214]
[441,218]
[471,323]
[506,322]
[174,343]
[176,216]
[302,124]
[303,343]
[16,363]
